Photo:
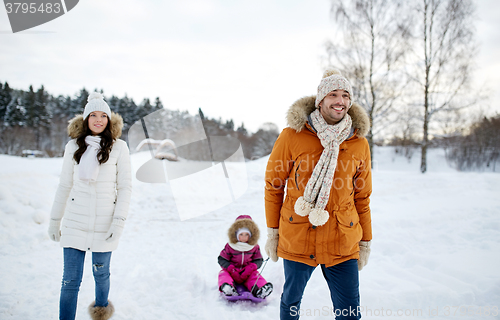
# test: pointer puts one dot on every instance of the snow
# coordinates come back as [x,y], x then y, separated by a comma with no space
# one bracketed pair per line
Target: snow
[435,252]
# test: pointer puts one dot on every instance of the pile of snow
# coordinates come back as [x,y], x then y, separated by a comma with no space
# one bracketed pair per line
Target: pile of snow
[435,249]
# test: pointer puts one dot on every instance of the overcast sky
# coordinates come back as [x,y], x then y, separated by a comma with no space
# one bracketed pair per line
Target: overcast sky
[245,60]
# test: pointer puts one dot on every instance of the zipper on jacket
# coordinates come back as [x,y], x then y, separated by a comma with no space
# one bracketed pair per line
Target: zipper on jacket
[297,175]
[353,185]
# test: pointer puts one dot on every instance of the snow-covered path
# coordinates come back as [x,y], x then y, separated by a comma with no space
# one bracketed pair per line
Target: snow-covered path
[435,248]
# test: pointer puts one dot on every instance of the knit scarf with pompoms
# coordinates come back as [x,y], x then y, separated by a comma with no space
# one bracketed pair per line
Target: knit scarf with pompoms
[317,191]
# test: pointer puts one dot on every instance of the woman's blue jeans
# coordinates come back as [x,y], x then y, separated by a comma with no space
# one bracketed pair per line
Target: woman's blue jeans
[342,280]
[72,277]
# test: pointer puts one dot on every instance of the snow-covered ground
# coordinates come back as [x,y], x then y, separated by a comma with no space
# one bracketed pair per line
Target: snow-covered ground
[436,248]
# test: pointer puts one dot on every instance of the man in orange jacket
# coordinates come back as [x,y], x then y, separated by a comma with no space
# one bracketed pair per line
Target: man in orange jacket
[323,160]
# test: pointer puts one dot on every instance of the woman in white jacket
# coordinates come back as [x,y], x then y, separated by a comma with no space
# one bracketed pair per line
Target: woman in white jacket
[92,201]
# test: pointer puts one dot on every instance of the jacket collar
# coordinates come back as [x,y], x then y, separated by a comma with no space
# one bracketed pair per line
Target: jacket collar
[299,111]
[75,126]
[241,246]
[310,126]
[244,223]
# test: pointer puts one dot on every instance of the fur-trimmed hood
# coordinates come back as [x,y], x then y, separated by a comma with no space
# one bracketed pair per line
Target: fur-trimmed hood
[244,223]
[75,126]
[302,108]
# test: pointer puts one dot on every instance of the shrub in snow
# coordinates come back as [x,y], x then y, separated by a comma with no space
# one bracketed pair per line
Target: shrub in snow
[39,216]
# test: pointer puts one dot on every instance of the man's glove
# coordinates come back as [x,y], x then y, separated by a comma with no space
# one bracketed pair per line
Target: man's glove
[55,230]
[272,243]
[115,230]
[364,254]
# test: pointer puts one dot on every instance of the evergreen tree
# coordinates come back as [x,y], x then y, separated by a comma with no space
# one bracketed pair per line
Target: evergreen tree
[42,117]
[29,100]
[158,104]
[5,99]
[113,103]
[78,104]
[229,125]
[60,107]
[242,130]
[41,102]
[127,108]
[144,109]
[15,115]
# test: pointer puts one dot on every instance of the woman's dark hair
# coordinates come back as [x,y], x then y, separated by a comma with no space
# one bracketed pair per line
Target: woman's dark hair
[106,142]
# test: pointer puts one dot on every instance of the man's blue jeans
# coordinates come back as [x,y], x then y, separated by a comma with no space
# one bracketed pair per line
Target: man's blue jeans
[343,282]
[72,277]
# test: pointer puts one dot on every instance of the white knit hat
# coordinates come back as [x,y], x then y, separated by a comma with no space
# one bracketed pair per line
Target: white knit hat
[332,80]
[96,103]
[241,230]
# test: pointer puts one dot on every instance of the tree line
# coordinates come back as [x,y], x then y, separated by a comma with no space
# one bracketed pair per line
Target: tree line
[479,149]
[410,64]
[37,120]
[474,148]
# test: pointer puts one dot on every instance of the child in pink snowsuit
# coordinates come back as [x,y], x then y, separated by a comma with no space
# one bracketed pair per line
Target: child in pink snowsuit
[241,258]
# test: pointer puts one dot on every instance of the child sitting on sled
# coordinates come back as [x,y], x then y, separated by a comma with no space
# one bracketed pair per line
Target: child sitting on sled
[240,260]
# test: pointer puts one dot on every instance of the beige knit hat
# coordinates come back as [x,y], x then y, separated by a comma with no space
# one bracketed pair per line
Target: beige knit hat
[96,103]
[332,80]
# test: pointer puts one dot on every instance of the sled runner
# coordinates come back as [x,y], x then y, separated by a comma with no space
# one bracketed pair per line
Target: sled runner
[243,294]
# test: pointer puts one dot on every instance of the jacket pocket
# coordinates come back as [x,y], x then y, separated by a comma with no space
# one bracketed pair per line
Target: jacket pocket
[77,203]
[294,229]
[348,232]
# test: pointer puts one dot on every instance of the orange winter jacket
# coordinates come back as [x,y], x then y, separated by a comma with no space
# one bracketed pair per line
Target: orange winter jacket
[290,165]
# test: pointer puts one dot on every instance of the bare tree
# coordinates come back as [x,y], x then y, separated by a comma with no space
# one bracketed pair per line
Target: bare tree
[442,59]
[405,137]
[369,50]
[480,149]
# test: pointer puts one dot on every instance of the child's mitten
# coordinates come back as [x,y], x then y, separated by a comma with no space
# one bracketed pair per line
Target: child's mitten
[235,274]
[248,270]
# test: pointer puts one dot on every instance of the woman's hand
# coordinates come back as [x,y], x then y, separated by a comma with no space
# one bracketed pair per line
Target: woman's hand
[116,230]
[55,230]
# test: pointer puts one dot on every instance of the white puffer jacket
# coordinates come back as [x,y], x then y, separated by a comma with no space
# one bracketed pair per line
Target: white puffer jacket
[87,210]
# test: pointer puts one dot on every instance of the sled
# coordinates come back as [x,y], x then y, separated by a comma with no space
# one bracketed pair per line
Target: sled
[243,294]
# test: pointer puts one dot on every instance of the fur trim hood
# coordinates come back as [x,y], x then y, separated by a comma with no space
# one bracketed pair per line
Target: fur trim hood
[302,108]
[75,126]
[244,223]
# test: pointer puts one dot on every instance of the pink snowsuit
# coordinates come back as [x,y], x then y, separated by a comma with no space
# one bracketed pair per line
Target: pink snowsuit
[240,255]
[241,259]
